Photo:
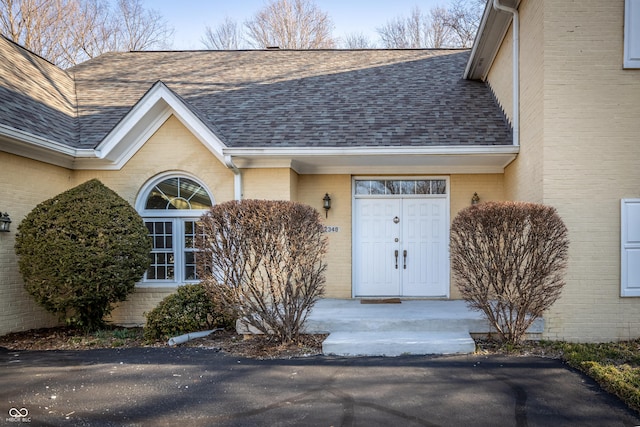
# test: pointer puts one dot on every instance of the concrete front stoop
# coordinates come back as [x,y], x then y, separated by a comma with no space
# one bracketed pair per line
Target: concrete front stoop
[416,327]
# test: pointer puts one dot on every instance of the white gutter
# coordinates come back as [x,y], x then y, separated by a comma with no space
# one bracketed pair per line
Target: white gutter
[365,151]
[237,177]
[516,68]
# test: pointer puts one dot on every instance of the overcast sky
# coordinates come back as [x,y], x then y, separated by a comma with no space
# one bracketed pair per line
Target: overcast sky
[190,17]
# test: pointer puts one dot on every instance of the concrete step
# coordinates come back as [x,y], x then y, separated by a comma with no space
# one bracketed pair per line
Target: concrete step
[391,324]
[397,343]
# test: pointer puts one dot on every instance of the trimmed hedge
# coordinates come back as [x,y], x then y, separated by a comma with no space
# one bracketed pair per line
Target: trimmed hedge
[82,251]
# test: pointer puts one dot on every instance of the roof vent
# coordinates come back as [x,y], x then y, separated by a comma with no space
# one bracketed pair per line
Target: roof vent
[273,47]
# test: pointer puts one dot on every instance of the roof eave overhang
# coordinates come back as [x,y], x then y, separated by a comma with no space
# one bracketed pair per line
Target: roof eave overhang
[121,144]
[491,32]
[378,160]
[25,144]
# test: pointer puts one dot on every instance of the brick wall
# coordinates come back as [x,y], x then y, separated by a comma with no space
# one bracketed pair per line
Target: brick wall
[311,190]
[579,152]
[591,129]
[23,184]
[524,175]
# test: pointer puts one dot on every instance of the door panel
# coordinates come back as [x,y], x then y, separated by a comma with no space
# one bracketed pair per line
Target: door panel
[420,238]
[375,247]
[423,240]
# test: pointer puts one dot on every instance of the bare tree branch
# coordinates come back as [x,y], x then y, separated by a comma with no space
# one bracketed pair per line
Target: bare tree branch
[463,18]
[67,32]
[226,36]
[291,24]
[139,28]
[357,41]
[264,261]
[453,27]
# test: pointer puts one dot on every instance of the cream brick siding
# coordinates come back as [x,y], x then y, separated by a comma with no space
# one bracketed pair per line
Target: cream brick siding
[591,131]
[267,184]
[133,311]
[579,152]
[524,175]
[311,190]
[490,187]
[24,183]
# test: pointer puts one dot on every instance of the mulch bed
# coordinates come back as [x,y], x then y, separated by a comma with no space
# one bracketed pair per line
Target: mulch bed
[258,346]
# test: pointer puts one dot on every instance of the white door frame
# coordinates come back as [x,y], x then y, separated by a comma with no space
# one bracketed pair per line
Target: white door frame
[354,218]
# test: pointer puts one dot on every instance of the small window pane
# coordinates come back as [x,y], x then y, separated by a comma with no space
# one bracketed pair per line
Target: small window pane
[362,187]
[439,186]
[393,187]
[178,193]
[423,187]
[377,187]
[161,267]
[408,187]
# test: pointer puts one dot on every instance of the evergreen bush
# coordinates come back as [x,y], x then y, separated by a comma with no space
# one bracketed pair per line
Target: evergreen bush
[189,309]
[82,251]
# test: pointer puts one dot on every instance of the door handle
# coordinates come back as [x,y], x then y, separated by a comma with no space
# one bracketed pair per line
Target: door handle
[396,252]
[404,255]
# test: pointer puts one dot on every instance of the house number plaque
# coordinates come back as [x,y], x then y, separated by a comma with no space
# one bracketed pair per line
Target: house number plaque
[331,229]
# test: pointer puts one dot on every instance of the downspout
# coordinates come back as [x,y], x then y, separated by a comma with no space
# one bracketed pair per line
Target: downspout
[516,68]
[237,177]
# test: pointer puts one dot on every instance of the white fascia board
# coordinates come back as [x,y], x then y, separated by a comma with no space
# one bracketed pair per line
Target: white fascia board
[492,30]
[369,151]
[316,160]
[146,117]
[25,144]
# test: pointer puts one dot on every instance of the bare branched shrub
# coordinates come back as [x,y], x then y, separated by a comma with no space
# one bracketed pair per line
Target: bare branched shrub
[264,260]
[508,261]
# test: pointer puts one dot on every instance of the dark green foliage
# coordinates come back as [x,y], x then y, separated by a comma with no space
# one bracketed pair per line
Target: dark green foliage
[81,252]
[190,309]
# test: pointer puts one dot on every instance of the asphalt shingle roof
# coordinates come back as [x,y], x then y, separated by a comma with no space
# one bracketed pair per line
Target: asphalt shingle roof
[36,96]
[280,98]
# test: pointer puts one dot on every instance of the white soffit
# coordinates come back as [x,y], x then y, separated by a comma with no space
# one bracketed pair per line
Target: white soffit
[367,160]
[492,30]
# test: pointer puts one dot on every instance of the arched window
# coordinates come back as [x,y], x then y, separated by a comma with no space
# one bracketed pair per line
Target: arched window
[170,206]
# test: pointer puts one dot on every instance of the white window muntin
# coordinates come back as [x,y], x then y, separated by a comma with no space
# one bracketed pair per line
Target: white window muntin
[438,187]
[174,265]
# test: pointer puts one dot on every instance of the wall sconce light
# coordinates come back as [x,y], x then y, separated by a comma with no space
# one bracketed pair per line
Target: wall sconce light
[326,204]
[5,221]
[475,199]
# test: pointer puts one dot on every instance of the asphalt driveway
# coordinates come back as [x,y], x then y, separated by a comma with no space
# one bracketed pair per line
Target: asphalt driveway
[199,387]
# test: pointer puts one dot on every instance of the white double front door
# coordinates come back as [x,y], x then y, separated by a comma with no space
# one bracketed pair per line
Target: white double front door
[401,247]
